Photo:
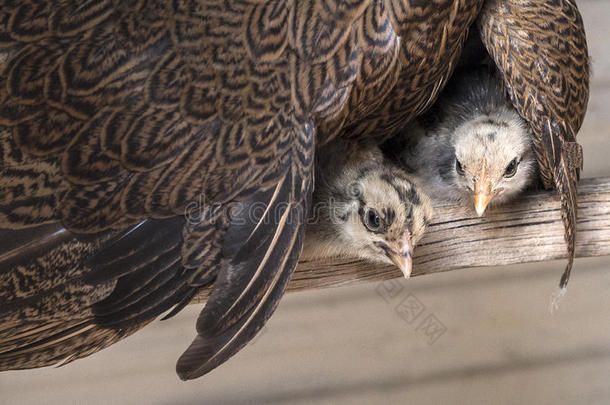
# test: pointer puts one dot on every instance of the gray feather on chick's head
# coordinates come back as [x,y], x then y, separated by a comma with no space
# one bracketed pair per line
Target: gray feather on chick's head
[472,146]
[494,159]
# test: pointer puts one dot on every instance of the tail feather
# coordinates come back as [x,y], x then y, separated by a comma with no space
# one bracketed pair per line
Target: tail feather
[69,296]
[73,341]
[118,300]
[17,334]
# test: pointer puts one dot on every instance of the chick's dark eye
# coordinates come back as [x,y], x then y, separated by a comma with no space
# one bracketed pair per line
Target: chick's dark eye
[372,220]
[511,169]
[459,168]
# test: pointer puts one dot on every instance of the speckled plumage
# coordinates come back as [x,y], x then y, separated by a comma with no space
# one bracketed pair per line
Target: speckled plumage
[353,182]
[463,148]
[140,122]
[541,51]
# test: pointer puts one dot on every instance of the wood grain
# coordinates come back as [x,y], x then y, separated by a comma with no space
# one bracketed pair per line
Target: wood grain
[526,231]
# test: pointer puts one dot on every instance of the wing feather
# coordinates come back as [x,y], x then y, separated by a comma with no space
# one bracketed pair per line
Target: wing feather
[117,119]
[540,49]
[137,113]
[226,325]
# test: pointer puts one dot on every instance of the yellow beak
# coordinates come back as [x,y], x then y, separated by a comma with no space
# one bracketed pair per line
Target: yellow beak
[400,253]
[481,200]
[482,190]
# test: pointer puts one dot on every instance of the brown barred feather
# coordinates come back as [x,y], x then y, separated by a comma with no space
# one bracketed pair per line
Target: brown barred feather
[541,50]
[135,126]
[432,35]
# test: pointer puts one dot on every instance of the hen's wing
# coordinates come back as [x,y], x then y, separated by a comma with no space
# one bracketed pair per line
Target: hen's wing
[119,117]
[540,49]
[142,124]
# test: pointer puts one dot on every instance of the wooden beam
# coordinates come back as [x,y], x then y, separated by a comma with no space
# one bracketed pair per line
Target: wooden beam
[526,231]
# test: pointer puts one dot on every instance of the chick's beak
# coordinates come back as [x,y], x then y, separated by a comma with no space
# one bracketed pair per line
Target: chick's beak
[400,253]
[482,198]
[482,190]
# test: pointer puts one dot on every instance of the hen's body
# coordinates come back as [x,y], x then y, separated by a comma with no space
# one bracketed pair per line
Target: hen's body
[118,118]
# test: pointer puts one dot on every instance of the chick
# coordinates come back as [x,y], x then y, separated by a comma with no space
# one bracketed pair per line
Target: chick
[472,146]
[364,207]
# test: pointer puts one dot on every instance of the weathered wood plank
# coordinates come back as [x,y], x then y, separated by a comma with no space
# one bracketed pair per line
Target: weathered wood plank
[527,231]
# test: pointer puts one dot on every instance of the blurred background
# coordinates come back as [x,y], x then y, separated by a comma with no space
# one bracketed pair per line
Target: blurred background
[471,336]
